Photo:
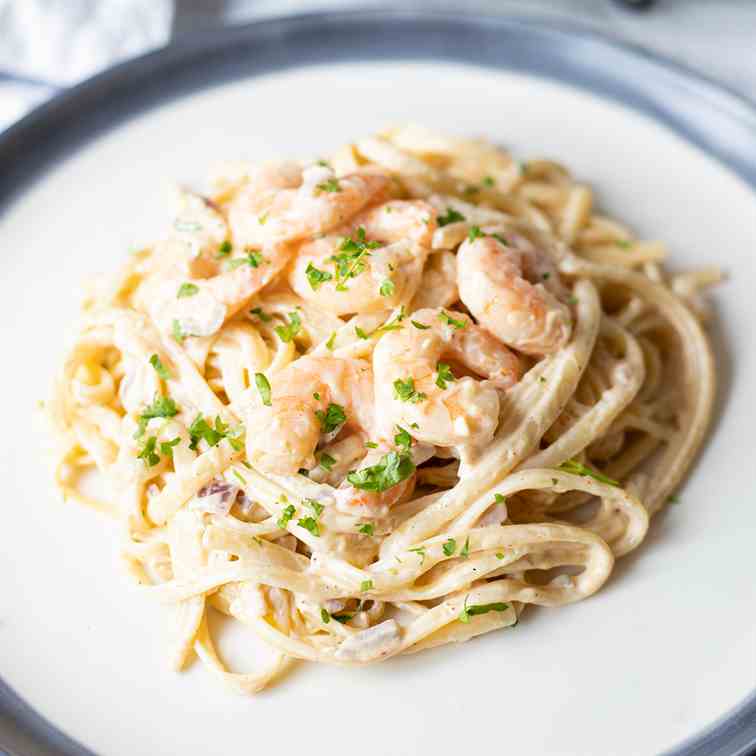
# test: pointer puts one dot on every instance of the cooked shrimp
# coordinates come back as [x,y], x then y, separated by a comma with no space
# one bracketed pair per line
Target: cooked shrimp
[200,306]
[510,288]
[375,264]
[282,437]
[319,203]
[416,389]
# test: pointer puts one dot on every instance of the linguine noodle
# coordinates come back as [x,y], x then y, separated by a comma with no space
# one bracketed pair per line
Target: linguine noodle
[383,539]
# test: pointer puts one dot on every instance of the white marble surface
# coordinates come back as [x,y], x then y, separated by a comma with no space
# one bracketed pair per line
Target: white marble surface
[49,44]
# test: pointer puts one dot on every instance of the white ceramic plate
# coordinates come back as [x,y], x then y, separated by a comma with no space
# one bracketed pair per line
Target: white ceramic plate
[657,656]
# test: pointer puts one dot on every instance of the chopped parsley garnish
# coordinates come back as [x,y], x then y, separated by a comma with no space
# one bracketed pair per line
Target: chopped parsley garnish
[368,528]
[488,181]
[444,375]
[326,461]
[499,499]
[499,555]
[323,163]
[309,523]
[325,616]
[224,250]
[673,499]
[449,320]
[329,185]
[166,447]
[331,341]
[291,329]
[160,369]
[419,326]
[366,585]
[177,331]
[405,391]
[576,468]
[471,611]
[499,238]
[420,551]
[546,276]
[465,549]
[403,438]
[390,470]
[387,288]
[350,261]
[187,290]
[371,445]
[451,216]
[316,396]
[475,233]
[162,406]
[148,453]
[624,243]
[239,477]
[572,299]
[360,333]
[286,514]
[253,258]
[303,471]
[317,277]
[393,325]
[263,388]
[260,314]
[201,430]
[449,547]
[331,418]
[541,379]
[315,505]
[262,219]
[470,190]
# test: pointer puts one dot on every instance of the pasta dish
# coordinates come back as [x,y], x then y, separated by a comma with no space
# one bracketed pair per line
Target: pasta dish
[382,401]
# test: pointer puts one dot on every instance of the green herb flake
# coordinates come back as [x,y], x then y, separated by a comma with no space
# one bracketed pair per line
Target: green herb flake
[162,406]
[499,499]
[317,277]
[499,238]
[405,391]
[449,320]
[177,331]
[261,314]
[201,430]
[451,216]
[330,185]
[239,477]
[331,341]
[263,388]
[420,326]
[187,290]
[449,547]
[366,585]
[286,514]
[350,261]
[315,505]
[367,528]
[326,461]
[576,468]
[488,181]
[160,368]
[465,549]
[420,551]
[624,243]
[253,258]
[360,333]
[499,555]
[331,418]
[224,250]
[572,299]
[342,618]
[474,609]
[311,524]
[148,453]
[444,375]
[475,233]
[403,438]
[291,329]
[391,469]
[325,616]
[387,288]
[371,445]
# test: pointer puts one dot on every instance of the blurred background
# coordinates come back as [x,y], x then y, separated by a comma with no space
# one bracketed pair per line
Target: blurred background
[47,45]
